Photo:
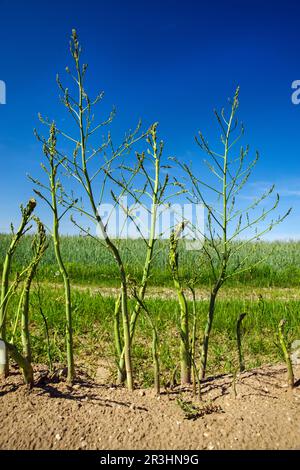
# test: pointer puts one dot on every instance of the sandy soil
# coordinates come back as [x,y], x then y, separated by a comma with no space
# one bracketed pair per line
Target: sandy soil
[263,414]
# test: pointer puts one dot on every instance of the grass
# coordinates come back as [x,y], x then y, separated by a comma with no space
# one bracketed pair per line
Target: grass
[89,263]
[93,320]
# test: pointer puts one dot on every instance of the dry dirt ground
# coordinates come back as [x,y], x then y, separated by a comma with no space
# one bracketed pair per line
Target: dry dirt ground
[261,414]
[166,293]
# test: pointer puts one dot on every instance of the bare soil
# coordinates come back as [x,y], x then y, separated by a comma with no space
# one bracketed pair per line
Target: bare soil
[259,413]
[166,293]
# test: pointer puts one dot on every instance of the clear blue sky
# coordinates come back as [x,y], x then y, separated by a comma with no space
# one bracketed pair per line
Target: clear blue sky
[166,61]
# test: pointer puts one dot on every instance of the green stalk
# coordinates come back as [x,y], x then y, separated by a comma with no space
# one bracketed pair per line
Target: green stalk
[224,250]
[117,333]
[40,246]
[17,318]
[152,235]
[88,188]
[137,308]
[207,330]
[291,379]
[156,199]
[150,247]
[127,342]
[68,306]
[47,333]
[239,342]
[57,249]
[22,362]
[193,346]
[124,297]
[155,357]
[146,270]
[185,357]
[26,214]
[25,336]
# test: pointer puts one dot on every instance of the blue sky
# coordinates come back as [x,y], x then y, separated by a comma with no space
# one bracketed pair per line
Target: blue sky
[166,61]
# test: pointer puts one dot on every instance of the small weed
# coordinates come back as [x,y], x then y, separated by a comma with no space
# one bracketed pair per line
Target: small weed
[193,412]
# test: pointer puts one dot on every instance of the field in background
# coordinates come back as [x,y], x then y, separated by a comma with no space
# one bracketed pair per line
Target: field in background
[89,263]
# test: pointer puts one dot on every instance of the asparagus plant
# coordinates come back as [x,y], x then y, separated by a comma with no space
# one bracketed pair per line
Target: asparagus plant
[80,168]
[154,189]
[26,213]
[226,223]
[185,354]
[93,180]
[53,195]
[9,348]
[24,359]
[39,246]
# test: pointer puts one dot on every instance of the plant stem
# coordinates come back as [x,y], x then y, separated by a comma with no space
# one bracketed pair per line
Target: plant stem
[193,346]
[239,342]
[149,252]
[22,362]
[117,332]
[57,250]
[68,306]
[87,184]
[223,253]
[208,326]
[155,360]
[185,357]
[291,379]
[26,214]
[25,320]
[39,247]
